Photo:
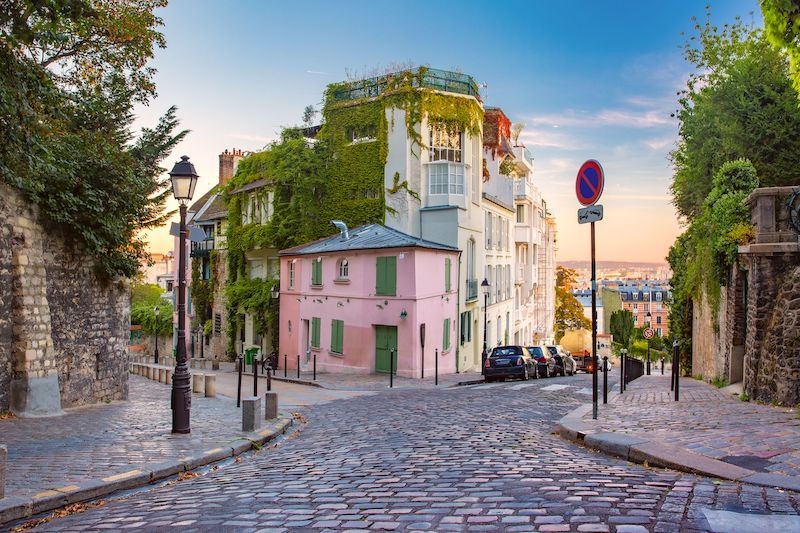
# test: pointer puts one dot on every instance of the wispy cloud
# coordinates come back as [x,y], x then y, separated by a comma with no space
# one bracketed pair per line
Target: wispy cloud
[547,138]
[659,143]
[633,118]
[318,72]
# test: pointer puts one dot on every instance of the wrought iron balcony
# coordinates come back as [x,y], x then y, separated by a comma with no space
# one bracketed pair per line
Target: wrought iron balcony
[202,248]
[440,80]
[472,289]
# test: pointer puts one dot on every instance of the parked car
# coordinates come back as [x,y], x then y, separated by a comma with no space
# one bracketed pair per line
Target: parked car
[565,364]
[509,362]
[545,364]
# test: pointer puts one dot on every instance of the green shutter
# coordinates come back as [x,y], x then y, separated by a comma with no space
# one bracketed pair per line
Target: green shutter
[315,327]
[447,274]
[316,272]
[446,335]
[386,276]
[337,336]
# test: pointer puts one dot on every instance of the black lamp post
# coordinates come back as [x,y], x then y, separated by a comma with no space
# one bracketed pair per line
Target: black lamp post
[647,319]
[485,288]
[184,180]
[156,312]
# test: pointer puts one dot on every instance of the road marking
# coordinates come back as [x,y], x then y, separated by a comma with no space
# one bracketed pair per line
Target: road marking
[522,386]
[487,386]
[730,522]
[556,387]
[584,391]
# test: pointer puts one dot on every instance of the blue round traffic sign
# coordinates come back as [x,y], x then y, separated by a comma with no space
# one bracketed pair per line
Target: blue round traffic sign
[589,183]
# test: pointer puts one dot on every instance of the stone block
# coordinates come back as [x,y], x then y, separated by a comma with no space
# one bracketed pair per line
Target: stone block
[36,396]
[251,413]
[210,386]
[169,377]
[270,405]
[3,460]
[162,375]
[198,383]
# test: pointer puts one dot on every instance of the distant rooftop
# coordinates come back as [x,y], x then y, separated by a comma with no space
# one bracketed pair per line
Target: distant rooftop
[440,80]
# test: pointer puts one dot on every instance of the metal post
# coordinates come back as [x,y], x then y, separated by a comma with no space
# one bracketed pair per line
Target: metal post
[155,355]
[315,366]
[269,378]
[239,386]
[181,388]
[485,310]
[298,366]
[285,370]
[605,379]
[662,366]
[594,331]
[648,357]
[676,364]
[391,368]
[255,377]
[436,367]
[622,353]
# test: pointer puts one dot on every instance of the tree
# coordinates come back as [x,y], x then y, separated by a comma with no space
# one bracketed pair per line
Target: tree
[569,311]
[516,131]
[782,26]
[308,115]
[622,327]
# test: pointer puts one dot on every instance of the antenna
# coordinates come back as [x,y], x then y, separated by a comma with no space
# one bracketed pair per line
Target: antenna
[485,91]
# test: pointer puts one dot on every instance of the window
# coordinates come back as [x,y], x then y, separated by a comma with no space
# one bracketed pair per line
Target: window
[363,133]
[635,319]
[206,268]
[291,273]
[257,270]
[217,324]
[466,327]
[635,295]
[315,326]
[337,336]
[316,271]
[445,145]
[488,231]
[471,259]
[344,269]
[447,274]
[520,214]
[658,332]
[658,320]
[273,267]
[635,307]
[386,276]
[508,282]
[446,335]
[445,178]
[658,296]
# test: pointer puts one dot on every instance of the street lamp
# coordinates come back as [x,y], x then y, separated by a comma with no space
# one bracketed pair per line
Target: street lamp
[485,288]
[647,319]
[184,180]
[156,312]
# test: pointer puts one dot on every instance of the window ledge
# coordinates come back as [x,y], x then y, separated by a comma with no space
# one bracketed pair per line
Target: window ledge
[320,286]
[335,354]
[342,281]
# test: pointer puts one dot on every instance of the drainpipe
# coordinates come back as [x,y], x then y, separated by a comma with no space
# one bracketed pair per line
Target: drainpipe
[458,311]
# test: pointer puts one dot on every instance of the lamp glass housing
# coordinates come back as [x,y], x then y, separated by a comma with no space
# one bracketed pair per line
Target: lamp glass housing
[485,286]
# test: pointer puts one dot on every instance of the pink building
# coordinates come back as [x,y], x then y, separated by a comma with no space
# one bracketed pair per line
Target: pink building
[352,298]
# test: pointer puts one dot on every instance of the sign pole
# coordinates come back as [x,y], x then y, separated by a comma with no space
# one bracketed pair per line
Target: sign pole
[594,332]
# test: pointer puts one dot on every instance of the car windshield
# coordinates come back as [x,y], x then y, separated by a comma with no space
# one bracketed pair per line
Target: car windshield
[553,350]
[535,351]
[506,351]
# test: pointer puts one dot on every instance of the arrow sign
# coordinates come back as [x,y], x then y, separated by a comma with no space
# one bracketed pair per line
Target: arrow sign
[593,213]
[589,183]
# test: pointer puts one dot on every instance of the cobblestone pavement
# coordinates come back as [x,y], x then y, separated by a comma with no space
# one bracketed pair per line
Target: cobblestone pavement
[93,442]
[379,382]
[709,422]
[478,458]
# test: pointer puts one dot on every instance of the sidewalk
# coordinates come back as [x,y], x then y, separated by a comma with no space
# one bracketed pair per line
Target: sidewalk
[95,450]
[707,431]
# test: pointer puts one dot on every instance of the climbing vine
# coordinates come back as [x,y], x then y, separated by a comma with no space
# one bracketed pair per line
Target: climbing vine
[397,185]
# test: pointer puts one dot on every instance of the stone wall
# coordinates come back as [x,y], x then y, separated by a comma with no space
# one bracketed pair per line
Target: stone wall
[63,334]
[218,343]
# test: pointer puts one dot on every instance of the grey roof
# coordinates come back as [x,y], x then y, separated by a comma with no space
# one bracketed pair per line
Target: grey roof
[252,185]
[366,237]
[214,210]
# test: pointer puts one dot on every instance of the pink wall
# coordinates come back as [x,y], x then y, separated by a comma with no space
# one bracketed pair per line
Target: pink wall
[420,292]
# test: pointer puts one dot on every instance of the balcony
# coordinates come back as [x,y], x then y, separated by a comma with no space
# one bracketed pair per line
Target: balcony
[431,78]
[202,248]
[472,290]
[523,234]
[523,189]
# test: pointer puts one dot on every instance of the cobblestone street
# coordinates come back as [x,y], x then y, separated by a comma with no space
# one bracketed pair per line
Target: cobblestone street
[478,458]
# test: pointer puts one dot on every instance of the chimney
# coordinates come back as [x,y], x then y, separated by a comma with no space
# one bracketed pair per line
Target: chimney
[228,161]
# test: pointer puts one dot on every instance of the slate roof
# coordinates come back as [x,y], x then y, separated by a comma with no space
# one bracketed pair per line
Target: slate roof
[252,185]
[214,210]
[366,237]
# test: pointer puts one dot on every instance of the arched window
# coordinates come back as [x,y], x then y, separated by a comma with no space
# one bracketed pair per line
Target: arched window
[344,269]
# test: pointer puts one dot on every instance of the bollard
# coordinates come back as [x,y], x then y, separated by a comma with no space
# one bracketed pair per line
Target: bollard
[315,366]
[162,375]
[298,366]
[269,378]
[211,386]
[285,370]
[391,368]
[251,414]
[3,458]
[255,377]
[605,379]
[270,405]
[622,372]
[169,376]
[662,366]
[239,386]
[436,367]
[676,364]
[198,383]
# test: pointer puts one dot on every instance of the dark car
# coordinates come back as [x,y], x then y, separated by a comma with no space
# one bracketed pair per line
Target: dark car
[509,362]
[565,364]
[545,364]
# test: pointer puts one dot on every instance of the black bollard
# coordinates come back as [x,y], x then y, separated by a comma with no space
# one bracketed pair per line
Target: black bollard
[436,366]
[285,370]
[255,377]
[676,364]
[269,378]
[621,372]
[662,366]
[298,366]
[239,387]
[391,368]
[605,379]
[315,366]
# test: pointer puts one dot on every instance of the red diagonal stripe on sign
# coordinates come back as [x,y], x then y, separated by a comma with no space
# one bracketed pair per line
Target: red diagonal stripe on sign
[588,182]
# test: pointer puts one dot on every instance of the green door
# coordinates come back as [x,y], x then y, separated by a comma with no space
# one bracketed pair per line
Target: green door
[385,340]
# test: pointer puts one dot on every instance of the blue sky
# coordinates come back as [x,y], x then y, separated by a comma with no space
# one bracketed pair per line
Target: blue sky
[591,80]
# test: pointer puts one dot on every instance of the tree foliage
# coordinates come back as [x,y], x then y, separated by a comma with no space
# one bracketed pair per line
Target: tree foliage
[72,72]
[782,26]
[569,311]
[622,327]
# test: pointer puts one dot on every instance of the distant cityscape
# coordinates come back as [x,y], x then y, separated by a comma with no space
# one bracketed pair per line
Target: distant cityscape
[617,271]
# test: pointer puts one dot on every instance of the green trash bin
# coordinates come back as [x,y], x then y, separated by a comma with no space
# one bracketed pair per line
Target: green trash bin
[249,354]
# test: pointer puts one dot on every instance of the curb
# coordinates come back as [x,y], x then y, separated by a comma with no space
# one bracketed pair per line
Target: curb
[295,381]
[17,508]
[640,449]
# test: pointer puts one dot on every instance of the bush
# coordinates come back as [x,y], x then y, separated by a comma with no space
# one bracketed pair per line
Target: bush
[144,315]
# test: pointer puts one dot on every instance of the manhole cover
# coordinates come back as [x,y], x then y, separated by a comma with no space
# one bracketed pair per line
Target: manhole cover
[752,462]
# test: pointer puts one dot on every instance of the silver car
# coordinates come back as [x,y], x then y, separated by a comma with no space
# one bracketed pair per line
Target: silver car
[565,364]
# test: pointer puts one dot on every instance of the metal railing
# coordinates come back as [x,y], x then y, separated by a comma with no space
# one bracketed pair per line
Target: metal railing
[633,369]
[431,78]
[201,248]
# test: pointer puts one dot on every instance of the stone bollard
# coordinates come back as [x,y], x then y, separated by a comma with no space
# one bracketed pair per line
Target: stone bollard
[202,364]
[162,375]
[251,413]
[198,383]
[211,386]
[147,371]
[3,457]
[270,405]
[192,363]
[169,376]
[214,365]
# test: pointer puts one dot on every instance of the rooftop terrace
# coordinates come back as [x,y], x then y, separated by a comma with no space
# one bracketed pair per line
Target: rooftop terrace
[431,78]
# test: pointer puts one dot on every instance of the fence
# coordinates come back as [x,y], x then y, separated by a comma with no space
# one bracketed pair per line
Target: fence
[633,369]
